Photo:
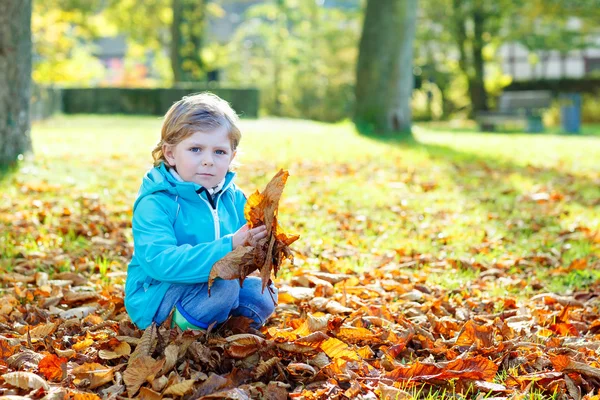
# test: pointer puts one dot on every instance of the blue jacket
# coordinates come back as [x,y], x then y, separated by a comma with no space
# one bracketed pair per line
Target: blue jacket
[179,232]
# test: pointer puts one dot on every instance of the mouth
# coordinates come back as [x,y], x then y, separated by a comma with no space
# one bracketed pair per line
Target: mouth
[206,175]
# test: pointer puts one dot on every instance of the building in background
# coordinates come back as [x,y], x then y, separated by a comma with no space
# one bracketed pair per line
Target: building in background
[523,64]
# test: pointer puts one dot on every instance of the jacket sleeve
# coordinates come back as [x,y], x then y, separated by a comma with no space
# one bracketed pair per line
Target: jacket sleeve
[156,249]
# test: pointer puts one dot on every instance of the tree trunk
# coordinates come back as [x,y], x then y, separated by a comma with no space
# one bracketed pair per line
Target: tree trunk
[15,79]
[477,85]
[471,64]
[384,77]
[187,32]
[176,41]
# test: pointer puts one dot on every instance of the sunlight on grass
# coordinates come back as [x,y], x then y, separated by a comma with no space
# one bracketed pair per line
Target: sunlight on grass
[354,200]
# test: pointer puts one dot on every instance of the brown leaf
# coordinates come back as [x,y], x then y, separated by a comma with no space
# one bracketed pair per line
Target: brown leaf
[43,330]
[277,391]
[78,297]
[210,385]
[241,346]
[171,356]
[140,370]
[265,366]
[261,208]
[229,267]
[229,394]
[97,374]
[181,388]
[315,337]
[391,393]
[301,371]
[53,368]
[149,394]
[122,349]
[566,364]
[146,343]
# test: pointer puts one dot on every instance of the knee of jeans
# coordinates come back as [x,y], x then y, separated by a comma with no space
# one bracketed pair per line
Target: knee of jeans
[267,301]
[227,292]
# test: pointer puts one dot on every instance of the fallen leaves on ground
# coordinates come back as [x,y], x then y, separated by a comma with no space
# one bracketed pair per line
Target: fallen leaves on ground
[391,335]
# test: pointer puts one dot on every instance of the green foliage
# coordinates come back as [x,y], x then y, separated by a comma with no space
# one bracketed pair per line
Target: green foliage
[59,29]
[302,56]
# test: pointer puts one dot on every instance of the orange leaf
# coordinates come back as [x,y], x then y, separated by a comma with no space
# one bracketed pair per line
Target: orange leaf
[53,368]
[356,335]
[560,362]
[6,350]
[480,335]
[564,363]
[477,368]
[84,396]
[564,329]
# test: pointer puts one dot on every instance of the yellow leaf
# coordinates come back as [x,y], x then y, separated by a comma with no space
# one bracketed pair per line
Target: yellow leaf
[84,344]
[355,335]
[335,348]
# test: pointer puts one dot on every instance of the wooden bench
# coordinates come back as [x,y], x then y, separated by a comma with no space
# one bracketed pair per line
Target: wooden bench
[523,107]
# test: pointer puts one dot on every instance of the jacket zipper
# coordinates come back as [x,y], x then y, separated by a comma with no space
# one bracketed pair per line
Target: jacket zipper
[214,209]
[213,204]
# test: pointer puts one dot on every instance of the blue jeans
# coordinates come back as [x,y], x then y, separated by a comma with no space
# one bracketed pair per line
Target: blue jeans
[226,298]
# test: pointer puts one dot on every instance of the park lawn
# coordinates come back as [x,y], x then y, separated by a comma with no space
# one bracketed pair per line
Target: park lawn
[483,221]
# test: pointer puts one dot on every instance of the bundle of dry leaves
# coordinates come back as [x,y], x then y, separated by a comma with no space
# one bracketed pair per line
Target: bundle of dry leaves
[260,209]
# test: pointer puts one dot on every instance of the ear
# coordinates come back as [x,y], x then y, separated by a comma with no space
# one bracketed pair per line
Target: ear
[168,153]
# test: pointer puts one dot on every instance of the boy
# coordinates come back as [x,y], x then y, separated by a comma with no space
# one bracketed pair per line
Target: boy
[188,215]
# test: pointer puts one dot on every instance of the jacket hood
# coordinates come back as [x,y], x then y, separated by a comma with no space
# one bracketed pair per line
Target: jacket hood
[159,179]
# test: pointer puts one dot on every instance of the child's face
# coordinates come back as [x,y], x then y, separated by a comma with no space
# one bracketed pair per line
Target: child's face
[202,158]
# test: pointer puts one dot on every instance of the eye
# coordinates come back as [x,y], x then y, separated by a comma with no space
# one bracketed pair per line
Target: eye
[221,152]
[195,149]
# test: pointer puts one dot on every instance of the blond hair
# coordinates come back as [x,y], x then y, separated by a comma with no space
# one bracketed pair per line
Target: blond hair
[198,112]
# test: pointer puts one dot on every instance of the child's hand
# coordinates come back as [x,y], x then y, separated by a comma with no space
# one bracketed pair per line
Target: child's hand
[249,237]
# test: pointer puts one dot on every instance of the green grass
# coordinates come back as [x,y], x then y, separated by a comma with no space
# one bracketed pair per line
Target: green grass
[357,202]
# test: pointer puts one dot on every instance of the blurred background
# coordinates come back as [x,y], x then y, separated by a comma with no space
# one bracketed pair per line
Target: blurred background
[301,55]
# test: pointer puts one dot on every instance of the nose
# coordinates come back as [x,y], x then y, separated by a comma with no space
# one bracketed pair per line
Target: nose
[207,160]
